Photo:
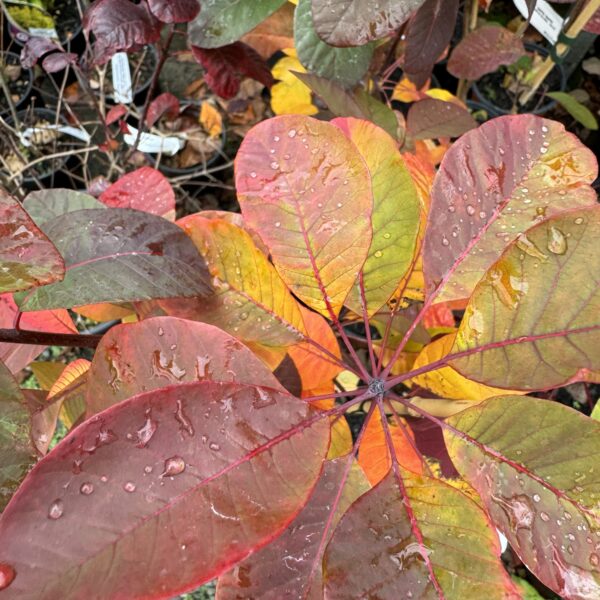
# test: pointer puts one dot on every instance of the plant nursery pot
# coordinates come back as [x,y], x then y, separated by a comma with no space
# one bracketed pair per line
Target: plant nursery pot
[19,80]
[52,173]
[67,24]
[491,84]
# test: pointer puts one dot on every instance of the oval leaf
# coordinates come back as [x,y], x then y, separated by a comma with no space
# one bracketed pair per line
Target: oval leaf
[395,217]
[541,494]
[310,202]
[413,544]
[44,205]
[162,351]
[119,255]
[432,118]
[171,510]
[493,184]
[519,330]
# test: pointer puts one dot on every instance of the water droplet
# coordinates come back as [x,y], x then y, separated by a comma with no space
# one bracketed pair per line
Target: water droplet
[518,510]
[214,446]
[148,469]
[275,138]
[543,150]
[173,466]
[161,331]
[557,242]
[378,254]
[594,560]
[274,165]
[145,432]
[292,133]
[183,420]
[536,498]
[544,517]
[525,244]
[278,224]
[104,479]
[482,215]
[470,210]
[578,220]
[7,575]
[253,175]
[129,487]
[56,510]
[387,236]
[445,241]
[86,488]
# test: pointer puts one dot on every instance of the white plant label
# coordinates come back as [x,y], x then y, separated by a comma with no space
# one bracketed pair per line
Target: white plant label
[80,134]
[545,19]
[42,32]
[154,144]
[121,76]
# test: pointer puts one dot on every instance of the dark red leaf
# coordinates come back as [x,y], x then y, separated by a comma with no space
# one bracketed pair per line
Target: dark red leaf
[163,104]
[57,61]
[35,48]
[174,11]
[483,51]
[143,189]
[429,32]
[432,118]
[162,492]
[120,25]
[225,65]
[114,114]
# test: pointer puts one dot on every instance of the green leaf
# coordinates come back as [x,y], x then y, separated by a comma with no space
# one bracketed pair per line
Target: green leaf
[345,66]
[535,465]
[16,451]
[356,103]
[222,22]
[44,205]
[578,111]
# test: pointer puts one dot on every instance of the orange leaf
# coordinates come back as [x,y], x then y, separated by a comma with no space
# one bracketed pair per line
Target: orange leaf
[210,118]
[373,454]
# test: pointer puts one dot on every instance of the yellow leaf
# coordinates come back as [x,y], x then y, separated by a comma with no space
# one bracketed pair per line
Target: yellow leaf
[348,380]
[70,387]
[103,311]
[290,95]
[341,438]
[210,118]
[47,373]
[445,95]
[448,383]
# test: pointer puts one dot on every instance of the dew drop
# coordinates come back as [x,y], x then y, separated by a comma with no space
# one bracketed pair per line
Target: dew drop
[275,138]
[253,175]
[129,487]
[278,224]
[482,215]
[56,510]
[214,446]
[104,479]
[274,165]
[445,241]
[594,560]
[161,331]
[536,498]
[470,210]
[578,220]
[7,575]
[378,254]
[173,466]
[148,469]
[557,242]
[292,133]
[387,236]
[145,432]
[544,517]
[86,488]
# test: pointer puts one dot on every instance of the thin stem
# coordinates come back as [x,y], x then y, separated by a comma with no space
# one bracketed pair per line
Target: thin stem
[9,100]
[72,340]
[365,316]
[355,392]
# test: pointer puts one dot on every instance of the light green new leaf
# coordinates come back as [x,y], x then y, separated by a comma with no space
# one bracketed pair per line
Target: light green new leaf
[44,205]
[577,110]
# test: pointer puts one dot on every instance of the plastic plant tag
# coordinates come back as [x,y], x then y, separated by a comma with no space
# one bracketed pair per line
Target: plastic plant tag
[43,32]
[154,144]
[121,76]
[80,134]
[545,19]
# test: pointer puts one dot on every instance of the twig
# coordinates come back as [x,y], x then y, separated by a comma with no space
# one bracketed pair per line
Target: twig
[75,340]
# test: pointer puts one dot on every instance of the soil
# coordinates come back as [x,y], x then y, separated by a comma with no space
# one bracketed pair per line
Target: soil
[491,87]
[66,19]
[17,78]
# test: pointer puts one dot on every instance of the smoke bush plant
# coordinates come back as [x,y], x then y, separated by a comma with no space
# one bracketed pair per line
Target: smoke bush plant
[193,461]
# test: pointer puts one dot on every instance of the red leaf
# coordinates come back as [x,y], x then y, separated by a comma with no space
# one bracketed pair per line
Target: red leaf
[35,48]
[202,352]
[225,65]
[429,32]
[58,61]
[483,51]
[164,103]
[18,356]
[120,25]
[174,11]
[432,118]
[165,491]
[143,189]
[115,113]
[27,256]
